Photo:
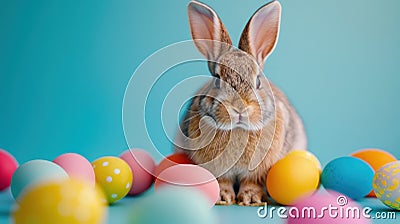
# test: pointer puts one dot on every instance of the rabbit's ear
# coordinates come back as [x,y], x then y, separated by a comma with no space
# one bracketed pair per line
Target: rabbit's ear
[208,32]
[261,33]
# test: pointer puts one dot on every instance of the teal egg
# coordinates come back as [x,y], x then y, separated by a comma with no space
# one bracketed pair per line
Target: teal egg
[348,175]
[175,206]
[33,172]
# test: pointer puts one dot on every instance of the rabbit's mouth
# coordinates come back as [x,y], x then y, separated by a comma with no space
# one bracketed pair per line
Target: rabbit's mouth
[241,124]
[232,121]
[228,126]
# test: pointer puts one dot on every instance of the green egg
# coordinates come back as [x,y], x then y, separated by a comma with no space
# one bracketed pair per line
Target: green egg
[34,172]
[169,205]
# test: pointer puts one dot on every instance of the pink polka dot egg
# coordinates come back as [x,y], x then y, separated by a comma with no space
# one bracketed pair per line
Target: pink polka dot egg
[114,176]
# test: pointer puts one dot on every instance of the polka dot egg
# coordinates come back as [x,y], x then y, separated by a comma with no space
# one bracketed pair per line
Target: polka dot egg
[386,184]
[114,176]
[61,201]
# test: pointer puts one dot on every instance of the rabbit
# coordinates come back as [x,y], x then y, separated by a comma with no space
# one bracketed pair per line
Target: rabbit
[238,124]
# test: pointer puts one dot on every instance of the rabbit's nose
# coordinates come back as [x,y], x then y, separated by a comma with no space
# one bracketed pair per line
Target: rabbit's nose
[240,113]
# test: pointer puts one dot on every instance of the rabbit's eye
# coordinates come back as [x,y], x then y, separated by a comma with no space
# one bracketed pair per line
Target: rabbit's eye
[217,83]
[258,82]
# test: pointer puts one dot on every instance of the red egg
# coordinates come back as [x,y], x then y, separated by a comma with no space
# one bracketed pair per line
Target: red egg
[8,165]
[142,166]
[171,160]
[190,176]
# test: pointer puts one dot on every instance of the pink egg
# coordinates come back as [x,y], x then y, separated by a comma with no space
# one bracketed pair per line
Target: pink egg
[332,208]
[190,176]
[142,166]
[7,167]
[77,167]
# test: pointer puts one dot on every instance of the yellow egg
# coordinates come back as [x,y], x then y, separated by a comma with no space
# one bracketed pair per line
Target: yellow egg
[307,155]
[62,201]
[291,178]
[386,184]
[114,176]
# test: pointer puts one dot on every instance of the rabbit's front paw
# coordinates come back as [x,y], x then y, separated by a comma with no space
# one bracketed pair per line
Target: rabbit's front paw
[251,194]
[226,193]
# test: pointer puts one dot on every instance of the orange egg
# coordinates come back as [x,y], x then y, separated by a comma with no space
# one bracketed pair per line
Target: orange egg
[376,158]
[171,160]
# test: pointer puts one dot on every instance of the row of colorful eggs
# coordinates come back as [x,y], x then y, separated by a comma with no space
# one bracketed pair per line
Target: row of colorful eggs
[347,175]
[71,189]
[296,176]
[299,174]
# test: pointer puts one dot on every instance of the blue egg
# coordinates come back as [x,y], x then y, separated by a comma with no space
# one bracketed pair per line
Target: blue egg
[348,175]
[172,205]
[33,172]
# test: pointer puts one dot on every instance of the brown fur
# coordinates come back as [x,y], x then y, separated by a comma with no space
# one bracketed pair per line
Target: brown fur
[243,154]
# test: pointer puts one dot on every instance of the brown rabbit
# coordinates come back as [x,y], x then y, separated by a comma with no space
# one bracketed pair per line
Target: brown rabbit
[239,124]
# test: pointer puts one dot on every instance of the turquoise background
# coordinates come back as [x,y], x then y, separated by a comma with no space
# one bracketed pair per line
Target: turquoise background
[64,67]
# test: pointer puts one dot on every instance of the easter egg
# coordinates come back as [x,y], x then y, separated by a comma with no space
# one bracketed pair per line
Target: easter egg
[291,178]
[7,167]
[64,201]
[386,184]
[34,172]
[376,158]
[114,176]
[171,160]
[77,167]
[184,176]
[348,175]
[307,155]
[310,210]
[142,166]
[172,205]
